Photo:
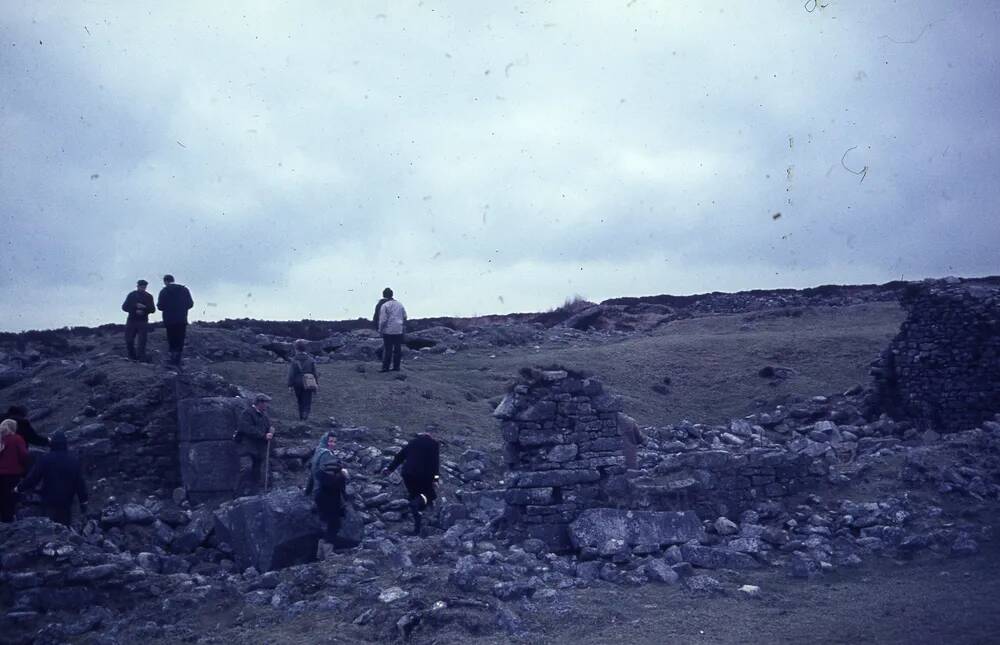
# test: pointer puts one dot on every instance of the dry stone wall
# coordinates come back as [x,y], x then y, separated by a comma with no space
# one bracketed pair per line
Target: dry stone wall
[943,368]
[561,437]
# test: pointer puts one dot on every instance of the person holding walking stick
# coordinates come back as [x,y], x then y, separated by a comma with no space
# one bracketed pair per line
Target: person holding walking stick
[253,440]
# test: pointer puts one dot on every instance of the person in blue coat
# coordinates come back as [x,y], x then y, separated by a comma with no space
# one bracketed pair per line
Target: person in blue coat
[61,479]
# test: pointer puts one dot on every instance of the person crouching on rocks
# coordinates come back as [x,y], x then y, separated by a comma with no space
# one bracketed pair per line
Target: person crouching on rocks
[13,464]
[421,460]
[61,477]
[302,378]
[328,485]
[253,439]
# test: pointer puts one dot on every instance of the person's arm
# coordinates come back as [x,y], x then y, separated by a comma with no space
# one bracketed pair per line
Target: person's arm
[160,299]
[378,307]
[81,490]
[127,305]
[250,427]
[34,476]
[293,369]
[150,307]
[398,459]
[403,310]
[30,435]
[190,300]
[23,457]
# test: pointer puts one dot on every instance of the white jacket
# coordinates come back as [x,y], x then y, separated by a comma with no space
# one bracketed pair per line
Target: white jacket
[391,317]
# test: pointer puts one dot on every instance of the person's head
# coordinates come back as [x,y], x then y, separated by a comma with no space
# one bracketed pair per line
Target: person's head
[57,440]
[331,441]
[387,292]
[16,412]
[141,285]
[300,345]
[168,279]
[7,428]
[261,401]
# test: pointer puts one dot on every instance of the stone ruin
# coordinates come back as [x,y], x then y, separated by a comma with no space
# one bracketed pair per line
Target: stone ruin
[568,485]
[561,445]
[943,368]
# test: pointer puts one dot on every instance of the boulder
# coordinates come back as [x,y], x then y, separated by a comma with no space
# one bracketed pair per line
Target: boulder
[594,527]
[270,531]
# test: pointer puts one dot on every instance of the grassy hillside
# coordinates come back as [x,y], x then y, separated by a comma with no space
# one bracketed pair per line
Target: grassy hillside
[712,364]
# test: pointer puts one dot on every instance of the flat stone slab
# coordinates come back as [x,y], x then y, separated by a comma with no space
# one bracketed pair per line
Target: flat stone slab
[211,418]
[594,527]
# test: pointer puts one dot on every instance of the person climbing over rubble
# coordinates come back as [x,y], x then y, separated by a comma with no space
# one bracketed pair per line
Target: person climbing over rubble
[19,413]
[253,444]
[328,486]
[13,465]
[631,439]
[303,379]
[421,460]
[61,479]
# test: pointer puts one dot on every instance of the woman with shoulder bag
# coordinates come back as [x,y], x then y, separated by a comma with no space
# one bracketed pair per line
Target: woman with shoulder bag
[302,378]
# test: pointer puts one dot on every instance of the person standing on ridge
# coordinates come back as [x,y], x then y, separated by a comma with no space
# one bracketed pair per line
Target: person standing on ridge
[138,305]
[253,440]
[391,318]
[302,378]
[61,478]
[174,301]
[421,459]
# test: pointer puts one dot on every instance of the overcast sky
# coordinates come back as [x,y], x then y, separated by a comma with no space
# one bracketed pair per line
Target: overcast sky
[289,160]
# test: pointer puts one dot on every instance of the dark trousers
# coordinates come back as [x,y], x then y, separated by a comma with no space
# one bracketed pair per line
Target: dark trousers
[175,340]
[304,398]
[392,350]
[8,498]
[60,514]
[415,487]
[248,481]
[136,330]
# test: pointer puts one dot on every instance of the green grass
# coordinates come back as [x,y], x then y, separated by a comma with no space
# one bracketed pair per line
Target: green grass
[712,363]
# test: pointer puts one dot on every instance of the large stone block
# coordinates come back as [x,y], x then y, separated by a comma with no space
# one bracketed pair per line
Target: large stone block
[209,466]
[208,419]
[596,526]
[270,531]
[555,478]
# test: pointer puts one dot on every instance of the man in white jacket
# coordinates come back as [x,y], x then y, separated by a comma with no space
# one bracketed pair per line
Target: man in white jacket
[391,316]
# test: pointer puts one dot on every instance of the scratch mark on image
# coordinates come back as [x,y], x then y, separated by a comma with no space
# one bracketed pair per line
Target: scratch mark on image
[863,172]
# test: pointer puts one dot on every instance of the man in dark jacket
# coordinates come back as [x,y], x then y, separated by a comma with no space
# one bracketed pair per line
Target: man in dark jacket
[421,459]
[174,301]
[31,437]
[253,441]
[138,305]
[61,478]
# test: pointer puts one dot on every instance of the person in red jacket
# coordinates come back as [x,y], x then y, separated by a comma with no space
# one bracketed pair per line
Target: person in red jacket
[13,464]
